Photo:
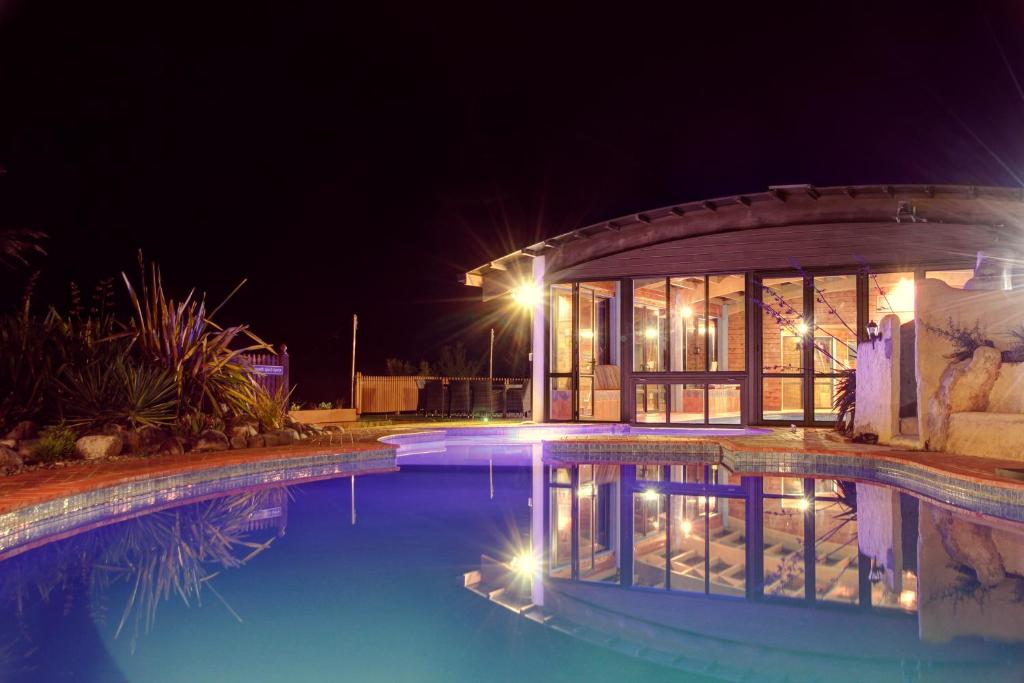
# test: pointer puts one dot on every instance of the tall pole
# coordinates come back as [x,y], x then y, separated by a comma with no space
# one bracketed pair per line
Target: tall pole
[490,371]
[352,384]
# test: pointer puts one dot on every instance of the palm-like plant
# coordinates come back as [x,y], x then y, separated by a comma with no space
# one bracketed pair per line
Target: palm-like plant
[119,392]
[17,244]
[179,336]
[845,401]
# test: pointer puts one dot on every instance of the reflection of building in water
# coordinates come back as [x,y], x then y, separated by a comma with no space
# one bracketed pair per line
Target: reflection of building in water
[272,513]
[763,549]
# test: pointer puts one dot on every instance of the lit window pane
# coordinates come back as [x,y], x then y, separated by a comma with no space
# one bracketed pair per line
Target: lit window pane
[561,398]
[836,574]
[561,532]
[597,496]
[688,404]
[727,322]
[561,328]
[783,328]
[727,546]
[689,324]
[891,293]
[650,403]
[724,404]
[824,397]
[782,398]
[687,548]
[650,325]
[835,323]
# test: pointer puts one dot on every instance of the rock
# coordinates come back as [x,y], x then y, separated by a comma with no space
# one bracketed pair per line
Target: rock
[239,442]
[171,445]
[257,441]
[99,446]
[26,429]
[244,430]
[334,428]
[211,440]
[8,443]
[132,441]
[25,447]
[150,436]
[971,545]
[9,458]
[282,437]
[964,388]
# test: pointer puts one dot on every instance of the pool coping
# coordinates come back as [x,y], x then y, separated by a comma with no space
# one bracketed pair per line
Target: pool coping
[39,506]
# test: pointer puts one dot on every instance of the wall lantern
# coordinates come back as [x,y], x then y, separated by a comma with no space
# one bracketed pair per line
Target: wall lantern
[873,333]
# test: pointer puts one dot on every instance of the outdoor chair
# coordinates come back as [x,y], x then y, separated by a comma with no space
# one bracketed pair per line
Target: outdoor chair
[434,397]
[483,397]
[459,401]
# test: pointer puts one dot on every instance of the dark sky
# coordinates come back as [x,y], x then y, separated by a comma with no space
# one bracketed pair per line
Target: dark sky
[357,157]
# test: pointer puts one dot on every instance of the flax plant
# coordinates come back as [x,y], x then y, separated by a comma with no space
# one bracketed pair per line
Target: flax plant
[206,361]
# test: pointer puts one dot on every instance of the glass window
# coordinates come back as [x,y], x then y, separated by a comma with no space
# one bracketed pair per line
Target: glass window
[561,328]
[954,278]
[599,351]
[650,403]
[727,322]
[835,323]
[687,474]
[824,398]
[891,293]
[559,475]
[836,574]
[597,498]
[561,398]
[782,325]
[782,398]
[561,533]
[649,510]
[649,472]
[784,547]
[723,404]
[689,324]
[650,325]
[687,404]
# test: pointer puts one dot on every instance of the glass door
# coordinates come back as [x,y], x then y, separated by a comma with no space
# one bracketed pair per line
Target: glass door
[587,339]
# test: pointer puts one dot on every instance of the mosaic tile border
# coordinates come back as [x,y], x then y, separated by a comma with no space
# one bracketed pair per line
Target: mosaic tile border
[61,515]
[991,499]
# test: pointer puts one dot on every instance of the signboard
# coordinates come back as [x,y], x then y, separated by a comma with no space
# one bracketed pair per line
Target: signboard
[277,370]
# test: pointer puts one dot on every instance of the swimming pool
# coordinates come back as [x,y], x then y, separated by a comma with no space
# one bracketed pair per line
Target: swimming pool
[363,578]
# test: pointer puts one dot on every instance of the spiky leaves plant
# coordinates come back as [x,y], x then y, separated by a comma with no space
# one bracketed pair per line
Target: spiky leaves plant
[27,363]
[118,392]
[845,401]
[209,367]
[16,244]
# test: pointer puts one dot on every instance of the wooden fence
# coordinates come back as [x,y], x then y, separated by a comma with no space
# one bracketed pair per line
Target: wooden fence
[270,370]
[442,396]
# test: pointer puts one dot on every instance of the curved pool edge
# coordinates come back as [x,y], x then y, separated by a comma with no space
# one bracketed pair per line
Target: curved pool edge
[50,509]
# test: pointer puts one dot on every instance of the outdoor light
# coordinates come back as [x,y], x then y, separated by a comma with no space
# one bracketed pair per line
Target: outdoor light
[908,599]
[528,294]
[650,495]
[687,527]
[873,333]
[524,564]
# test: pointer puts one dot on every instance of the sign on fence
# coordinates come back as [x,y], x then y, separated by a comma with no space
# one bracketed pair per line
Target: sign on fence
[276,370]
[270,370]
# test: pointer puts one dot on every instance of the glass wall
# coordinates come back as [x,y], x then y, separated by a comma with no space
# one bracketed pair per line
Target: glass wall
[650,325]
[689,324]
[783,334]
[835,338]
[598,537]
[891,293]
[651,403]
[598,348]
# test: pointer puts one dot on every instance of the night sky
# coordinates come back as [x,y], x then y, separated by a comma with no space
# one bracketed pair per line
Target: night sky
[357,158]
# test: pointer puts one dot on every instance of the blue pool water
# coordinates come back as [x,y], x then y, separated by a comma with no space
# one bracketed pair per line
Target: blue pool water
[380,600]
[296,585]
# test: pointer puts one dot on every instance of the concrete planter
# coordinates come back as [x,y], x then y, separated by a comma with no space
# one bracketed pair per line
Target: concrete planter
[330,416]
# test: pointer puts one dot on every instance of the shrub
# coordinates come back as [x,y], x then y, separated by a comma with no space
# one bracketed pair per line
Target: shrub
[268,410]
[119,392]
[845,401]
[55,443]
[965,340]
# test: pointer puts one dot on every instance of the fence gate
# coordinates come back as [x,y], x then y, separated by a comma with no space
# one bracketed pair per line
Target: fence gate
[270,370]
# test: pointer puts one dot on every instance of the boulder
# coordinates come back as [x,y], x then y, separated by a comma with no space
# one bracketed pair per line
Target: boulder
[964,388]
[244,430]
[239,442]
[281,437]
[26,429]
[211,440]
[98,446]
[25,447]
[150,436]
[8,443]
[171,445]
[257,441]
[9,458]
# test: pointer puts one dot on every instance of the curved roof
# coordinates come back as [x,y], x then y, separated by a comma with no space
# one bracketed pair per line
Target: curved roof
[780,205]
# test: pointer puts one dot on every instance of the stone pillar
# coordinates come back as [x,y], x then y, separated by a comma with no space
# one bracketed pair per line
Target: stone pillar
[537,531]
[878,383]
[538,348]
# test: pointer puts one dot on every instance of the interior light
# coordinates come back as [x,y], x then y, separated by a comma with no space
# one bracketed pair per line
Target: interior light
[586,334]
[687,527]
[687,312]
[803,505]
[524,564]
[528,294]
[802,328]
[651,333]
[908,599]
[586,489]
[650,495]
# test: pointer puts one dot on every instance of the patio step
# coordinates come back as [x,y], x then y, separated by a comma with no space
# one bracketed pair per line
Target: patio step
[908,425]
[908,442]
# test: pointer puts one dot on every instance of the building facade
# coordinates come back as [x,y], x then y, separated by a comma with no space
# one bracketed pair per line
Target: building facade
[744,309]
